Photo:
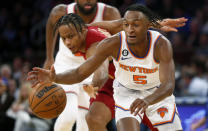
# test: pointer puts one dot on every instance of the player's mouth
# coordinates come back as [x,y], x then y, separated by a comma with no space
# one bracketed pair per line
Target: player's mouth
[131,37]
[88,6]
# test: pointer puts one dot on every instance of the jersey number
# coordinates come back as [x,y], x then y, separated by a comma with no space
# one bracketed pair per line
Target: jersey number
[140,79]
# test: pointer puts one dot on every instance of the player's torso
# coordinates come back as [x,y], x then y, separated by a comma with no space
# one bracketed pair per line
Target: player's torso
[63,50]
[135,72]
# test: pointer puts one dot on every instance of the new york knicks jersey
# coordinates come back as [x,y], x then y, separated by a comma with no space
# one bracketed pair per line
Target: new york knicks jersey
[139,73]
[98,17]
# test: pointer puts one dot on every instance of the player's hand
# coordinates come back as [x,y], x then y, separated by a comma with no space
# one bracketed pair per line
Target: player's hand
[138,105]
[91,90]
[48,63]
[40,75]
[169,25]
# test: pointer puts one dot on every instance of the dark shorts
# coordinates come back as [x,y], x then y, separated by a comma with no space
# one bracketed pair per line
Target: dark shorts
[105,95]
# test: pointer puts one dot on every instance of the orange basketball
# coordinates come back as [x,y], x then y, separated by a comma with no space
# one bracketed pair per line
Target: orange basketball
[47,100]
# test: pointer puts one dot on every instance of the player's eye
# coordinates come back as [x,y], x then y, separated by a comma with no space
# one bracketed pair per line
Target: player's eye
[125,24]
[70,36]
[136,25]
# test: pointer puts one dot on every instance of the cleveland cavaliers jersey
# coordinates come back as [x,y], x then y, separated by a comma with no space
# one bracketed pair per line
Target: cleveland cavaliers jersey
[135,72]
[63,49]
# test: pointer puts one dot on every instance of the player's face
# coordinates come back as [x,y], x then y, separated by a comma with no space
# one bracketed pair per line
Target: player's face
[71,37]
[135,26]
[86,6]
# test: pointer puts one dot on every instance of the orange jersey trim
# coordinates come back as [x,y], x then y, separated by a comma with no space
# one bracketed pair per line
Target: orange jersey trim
[169,121]
[119,51]
[82,107]
[124,109]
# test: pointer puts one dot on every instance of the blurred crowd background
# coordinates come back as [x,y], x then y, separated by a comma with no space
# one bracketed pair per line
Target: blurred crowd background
[22,46]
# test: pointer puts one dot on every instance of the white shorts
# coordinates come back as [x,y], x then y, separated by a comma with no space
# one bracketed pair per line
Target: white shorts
[162,115]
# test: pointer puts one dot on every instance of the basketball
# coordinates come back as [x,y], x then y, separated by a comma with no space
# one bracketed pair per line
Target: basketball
[47,100]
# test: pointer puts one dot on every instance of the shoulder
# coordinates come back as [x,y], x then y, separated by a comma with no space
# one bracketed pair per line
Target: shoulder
[57,12]
[111,13]
[60,7]
[164,49]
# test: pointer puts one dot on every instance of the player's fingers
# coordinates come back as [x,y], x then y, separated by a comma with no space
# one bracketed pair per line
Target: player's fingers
[35,83]
[137,110]
[32,73]
[39,69]
[30,78]
[53,69]
[134,105]
[139,107]
[168,29]
[96,89]
[143,109]
[181,25]
[174,22]
[96,93]
[182,19]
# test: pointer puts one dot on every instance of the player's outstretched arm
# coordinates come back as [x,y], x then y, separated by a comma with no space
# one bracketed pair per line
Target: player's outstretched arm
[56,13]
[113,26]
[101,74]
[168,25]
[105,49]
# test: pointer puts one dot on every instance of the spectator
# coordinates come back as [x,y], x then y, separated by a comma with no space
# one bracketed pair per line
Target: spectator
[21,113]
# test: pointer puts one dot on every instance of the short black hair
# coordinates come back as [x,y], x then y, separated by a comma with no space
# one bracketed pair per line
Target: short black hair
[152,17]
[73,19]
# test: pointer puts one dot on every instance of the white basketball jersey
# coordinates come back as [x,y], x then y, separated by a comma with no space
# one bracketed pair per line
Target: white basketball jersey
[135,72]
[98,17]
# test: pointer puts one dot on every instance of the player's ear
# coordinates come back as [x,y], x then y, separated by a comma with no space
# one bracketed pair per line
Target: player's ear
[149,24]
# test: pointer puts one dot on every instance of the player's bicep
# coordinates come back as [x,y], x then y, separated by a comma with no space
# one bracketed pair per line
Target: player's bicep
[167,67]
[111,13]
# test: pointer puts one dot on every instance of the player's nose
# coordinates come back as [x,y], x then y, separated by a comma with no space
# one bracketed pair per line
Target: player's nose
[67,42]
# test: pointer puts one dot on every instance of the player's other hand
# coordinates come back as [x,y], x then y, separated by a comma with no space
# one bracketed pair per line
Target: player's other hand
[40,75]
[169,25]
[91,90]
[138,106]
[48,63]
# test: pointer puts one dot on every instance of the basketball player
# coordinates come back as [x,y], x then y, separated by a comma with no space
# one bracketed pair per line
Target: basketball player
[90,11]
[144,77]
[101,111]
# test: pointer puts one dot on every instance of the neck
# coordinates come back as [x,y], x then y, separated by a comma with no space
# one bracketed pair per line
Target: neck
[140,49]
[87,18]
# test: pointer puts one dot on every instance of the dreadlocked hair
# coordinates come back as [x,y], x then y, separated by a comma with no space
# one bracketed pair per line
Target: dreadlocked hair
[152,17]
[70,18]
